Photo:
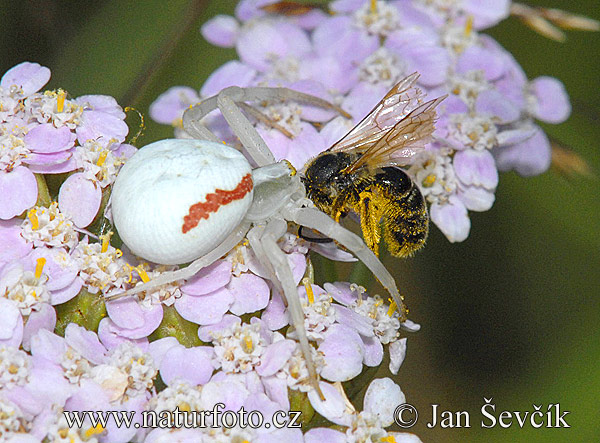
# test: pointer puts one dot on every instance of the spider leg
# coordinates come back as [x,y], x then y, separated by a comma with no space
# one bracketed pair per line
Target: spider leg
[275,229]
[189,271]
[315,219]
[226,101]
[240,125]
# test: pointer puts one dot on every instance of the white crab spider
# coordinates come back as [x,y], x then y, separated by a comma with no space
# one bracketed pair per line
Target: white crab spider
[159,185]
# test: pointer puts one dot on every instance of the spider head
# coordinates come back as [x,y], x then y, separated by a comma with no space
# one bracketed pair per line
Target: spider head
[274,185]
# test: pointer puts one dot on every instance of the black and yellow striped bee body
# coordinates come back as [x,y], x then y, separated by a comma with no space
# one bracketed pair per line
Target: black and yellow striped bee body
[388,202]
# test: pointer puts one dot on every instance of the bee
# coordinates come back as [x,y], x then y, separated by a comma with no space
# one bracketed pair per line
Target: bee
[361,172]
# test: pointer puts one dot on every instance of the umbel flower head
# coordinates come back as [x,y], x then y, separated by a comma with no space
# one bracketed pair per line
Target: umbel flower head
[355,55]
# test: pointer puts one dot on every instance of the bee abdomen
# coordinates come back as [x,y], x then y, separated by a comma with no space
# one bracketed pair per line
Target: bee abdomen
[405,218]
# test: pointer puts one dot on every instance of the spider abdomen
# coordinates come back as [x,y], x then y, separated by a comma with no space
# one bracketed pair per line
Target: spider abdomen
[176,200]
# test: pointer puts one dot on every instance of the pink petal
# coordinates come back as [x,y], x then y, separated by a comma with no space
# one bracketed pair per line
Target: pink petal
[169,105]
[101,127]
[275,356]
[67,293]
[205,309]
[452,219]
[476,168]
[30,77]
[10,318]
[205,333]
[553,104]
[221,30]
[45,138]
[373,351]
[232,73]
[80,199]
[12,245]
[343,352]
[275,316]
[191,364]
[103,103]
[397,354]
[44,318]
[86,343]
[18,192]
[110,339]
[251,293]
[208,279]
[151,320]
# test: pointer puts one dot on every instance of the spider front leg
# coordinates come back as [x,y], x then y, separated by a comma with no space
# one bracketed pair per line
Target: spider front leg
[189,271]
[319,221]
[227,102]
[278,260]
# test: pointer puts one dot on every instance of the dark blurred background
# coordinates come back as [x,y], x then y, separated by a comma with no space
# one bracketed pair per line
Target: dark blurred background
[512,313]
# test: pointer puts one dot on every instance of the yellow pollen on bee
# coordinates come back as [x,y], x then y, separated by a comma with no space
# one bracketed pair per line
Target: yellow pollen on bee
[469,26]
[309,292]
[60,100]
[373,6]
[102,158]
[429,180]
[392,307]
[98,429]
[32,216]
[39,267]
[248,344]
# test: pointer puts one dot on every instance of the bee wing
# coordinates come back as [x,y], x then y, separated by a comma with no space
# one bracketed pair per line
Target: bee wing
[395,106]
[402,140]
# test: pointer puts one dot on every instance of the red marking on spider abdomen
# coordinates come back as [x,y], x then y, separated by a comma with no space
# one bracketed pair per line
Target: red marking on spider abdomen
[214,201]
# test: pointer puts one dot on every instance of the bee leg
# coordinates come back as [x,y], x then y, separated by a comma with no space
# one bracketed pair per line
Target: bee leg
[315,219]
[278,260]
[370,216]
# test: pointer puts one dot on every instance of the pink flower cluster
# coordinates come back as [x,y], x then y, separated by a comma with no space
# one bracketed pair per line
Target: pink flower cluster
[240,351]
[353,56]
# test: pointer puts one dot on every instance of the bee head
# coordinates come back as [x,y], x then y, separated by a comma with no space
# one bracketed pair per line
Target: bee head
[325,169]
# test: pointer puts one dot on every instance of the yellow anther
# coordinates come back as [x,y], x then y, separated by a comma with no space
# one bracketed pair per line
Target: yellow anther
[129,269]
[13,369]
[102,158]
[309,292]
[388,439]
[469,26]
[60,100]
[39,267]
[98,429]
[429,180]
[373,6]
[32,216]
[118,253]
[106,241]
[142,273]
[184,406]
[378,303]
[392,307]
[248,344]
